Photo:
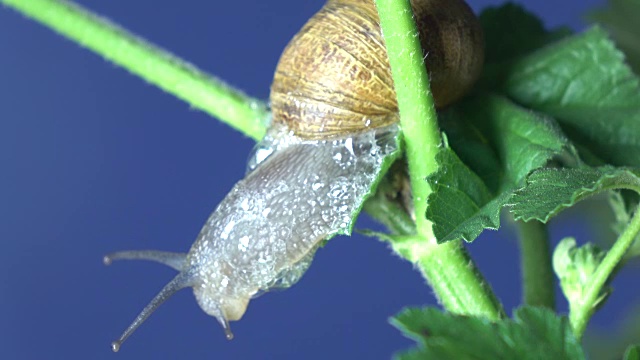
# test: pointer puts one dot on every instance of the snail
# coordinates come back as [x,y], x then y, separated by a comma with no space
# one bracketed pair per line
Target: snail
[333,129]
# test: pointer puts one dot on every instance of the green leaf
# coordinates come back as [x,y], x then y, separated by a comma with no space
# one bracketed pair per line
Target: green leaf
[533,333]
[472,146]
[518,139]
[502,143]
[460,206]
[584,83]
[620,18]
[632,353]
[511,31]
[575,266]
[548,191]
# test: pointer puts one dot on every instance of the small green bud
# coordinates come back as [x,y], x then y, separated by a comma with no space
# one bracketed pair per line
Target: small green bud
[575,266]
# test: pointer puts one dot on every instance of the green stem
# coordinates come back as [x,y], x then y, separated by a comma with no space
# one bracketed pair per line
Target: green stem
[171,74]
[447,267]
[417,111]
[450,272]
[389,212]
[582,311]
[537,271]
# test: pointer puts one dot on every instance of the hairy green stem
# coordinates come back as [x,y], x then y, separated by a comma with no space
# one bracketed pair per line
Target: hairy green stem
[171,74]
[448,269]
[456,289]
[417,111]
[537,271]
[582,311]
[460,287]
[452,275]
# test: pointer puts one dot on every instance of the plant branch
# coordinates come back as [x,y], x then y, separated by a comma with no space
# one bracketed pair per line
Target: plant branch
[389,212]
[581,312]
[448,269]
[537,271]
[157,66]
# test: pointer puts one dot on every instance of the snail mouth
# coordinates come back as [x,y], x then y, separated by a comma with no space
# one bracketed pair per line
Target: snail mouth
[235,308]
[216,302]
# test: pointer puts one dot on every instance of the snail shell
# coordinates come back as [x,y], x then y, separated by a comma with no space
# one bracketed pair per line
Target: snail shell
[334,76]
[332,136]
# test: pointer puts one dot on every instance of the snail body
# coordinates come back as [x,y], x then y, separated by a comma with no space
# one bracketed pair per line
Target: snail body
[332,135]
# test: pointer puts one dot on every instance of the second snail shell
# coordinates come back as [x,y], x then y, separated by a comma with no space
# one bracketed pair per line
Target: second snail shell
[334,77]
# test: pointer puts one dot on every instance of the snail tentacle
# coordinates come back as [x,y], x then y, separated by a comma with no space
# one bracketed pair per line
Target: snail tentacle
[181,281]
[173,260]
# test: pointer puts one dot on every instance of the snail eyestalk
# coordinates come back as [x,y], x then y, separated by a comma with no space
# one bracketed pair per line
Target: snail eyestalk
[179,282]
[171,259]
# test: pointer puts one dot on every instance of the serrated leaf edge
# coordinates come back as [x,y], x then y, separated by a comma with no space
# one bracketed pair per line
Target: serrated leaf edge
[579,194]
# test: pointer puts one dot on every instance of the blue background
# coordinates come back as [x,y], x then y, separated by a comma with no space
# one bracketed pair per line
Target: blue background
[94,160]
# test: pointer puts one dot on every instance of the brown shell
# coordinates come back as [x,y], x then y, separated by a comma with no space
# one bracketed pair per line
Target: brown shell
[333,77]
